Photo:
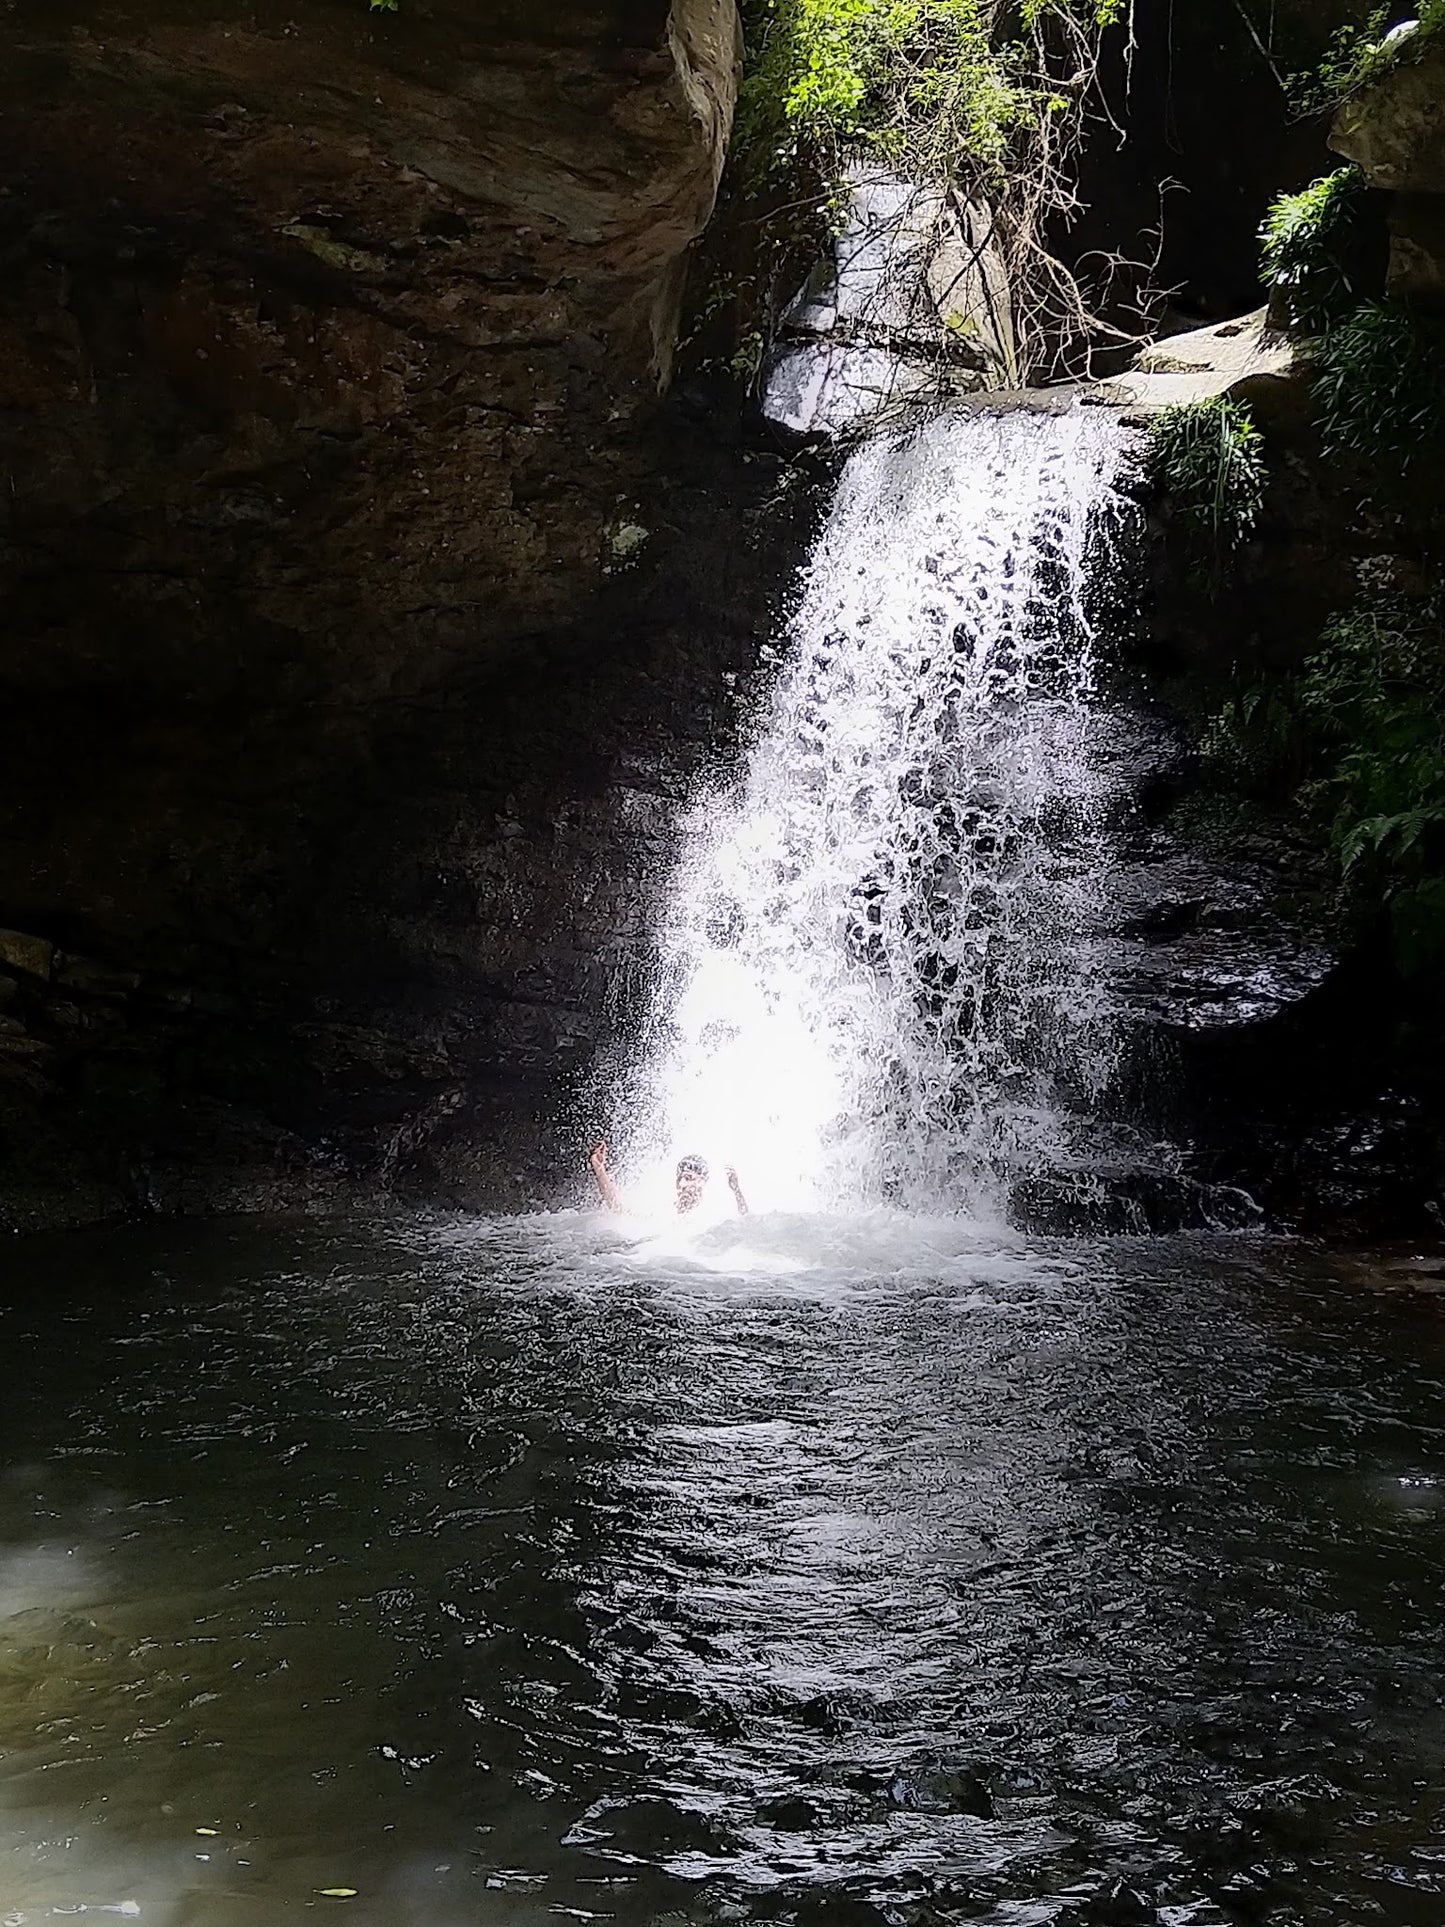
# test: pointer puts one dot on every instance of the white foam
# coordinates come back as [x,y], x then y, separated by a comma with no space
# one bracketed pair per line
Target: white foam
[873,970]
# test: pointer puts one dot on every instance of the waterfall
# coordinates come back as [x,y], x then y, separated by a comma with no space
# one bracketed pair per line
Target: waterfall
[876,977]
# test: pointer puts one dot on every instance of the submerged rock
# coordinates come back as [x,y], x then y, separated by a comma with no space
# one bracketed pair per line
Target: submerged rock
[30,955]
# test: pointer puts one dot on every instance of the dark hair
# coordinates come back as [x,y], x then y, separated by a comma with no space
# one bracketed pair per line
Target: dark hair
[692,1162]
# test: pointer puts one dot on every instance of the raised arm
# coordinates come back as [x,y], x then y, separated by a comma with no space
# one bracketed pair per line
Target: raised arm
[737,1190]
[611,1196]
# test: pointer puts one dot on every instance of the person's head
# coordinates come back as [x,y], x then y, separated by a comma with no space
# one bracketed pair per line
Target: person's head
[691,1180]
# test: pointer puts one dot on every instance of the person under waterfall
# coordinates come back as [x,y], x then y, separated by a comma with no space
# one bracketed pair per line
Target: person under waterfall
[691,1182]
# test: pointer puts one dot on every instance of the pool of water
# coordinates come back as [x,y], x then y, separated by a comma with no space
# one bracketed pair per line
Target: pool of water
[819,1571]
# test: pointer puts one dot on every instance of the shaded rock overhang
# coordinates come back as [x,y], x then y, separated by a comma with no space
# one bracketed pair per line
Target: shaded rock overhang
[320,304]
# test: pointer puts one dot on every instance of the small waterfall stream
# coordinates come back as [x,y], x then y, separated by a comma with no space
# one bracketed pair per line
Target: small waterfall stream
[875,978]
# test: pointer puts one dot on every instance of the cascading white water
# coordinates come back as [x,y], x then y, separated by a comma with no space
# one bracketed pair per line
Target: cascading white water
[875,971]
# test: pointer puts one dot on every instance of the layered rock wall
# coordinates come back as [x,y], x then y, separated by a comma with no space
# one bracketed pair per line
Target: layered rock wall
[330,348]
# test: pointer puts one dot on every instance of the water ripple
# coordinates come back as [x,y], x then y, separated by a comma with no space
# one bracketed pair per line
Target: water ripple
[825,1572]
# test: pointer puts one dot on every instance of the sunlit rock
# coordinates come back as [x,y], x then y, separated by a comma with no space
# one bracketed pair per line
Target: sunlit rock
[1394,130]
[913,302]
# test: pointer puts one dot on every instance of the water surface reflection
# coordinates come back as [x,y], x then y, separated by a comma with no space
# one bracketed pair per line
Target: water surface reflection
[801,1571]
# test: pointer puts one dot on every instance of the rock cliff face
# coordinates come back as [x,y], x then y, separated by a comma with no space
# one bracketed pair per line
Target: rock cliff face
[1313,1074]
[1393,130]
[367,616]
[331,324]
[330,346]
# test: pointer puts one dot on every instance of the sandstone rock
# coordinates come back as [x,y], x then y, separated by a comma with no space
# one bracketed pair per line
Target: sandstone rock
[94,979]
[1223,359]
[1395,128]
[366,352]
[32,955]
[914,304]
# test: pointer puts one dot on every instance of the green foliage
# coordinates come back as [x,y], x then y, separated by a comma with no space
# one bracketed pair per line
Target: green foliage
[1305,248]
[1357,740]
[1256,740]
[922,89]
[1354,57]
[915,83]
[1360,53]
[1207,458]
[383,6]
[834,79]
[748,356]
[1374,693]
[1380,383]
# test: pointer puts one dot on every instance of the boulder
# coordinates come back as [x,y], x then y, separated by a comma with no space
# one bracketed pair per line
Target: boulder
[1128,1202]
[913,303]
[1394,130]
[322,338]
[94,979]
[31,955]
[1417,248]
[1243,357]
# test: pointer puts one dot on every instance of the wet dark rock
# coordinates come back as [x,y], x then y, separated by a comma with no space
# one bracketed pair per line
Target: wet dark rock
[337,751]
[657,1704]
[796,1814]
[940,1789]
[1208,941]
[1214,920]
[953,1790]
[835,1713]
[1134,1202]
[430,1004]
